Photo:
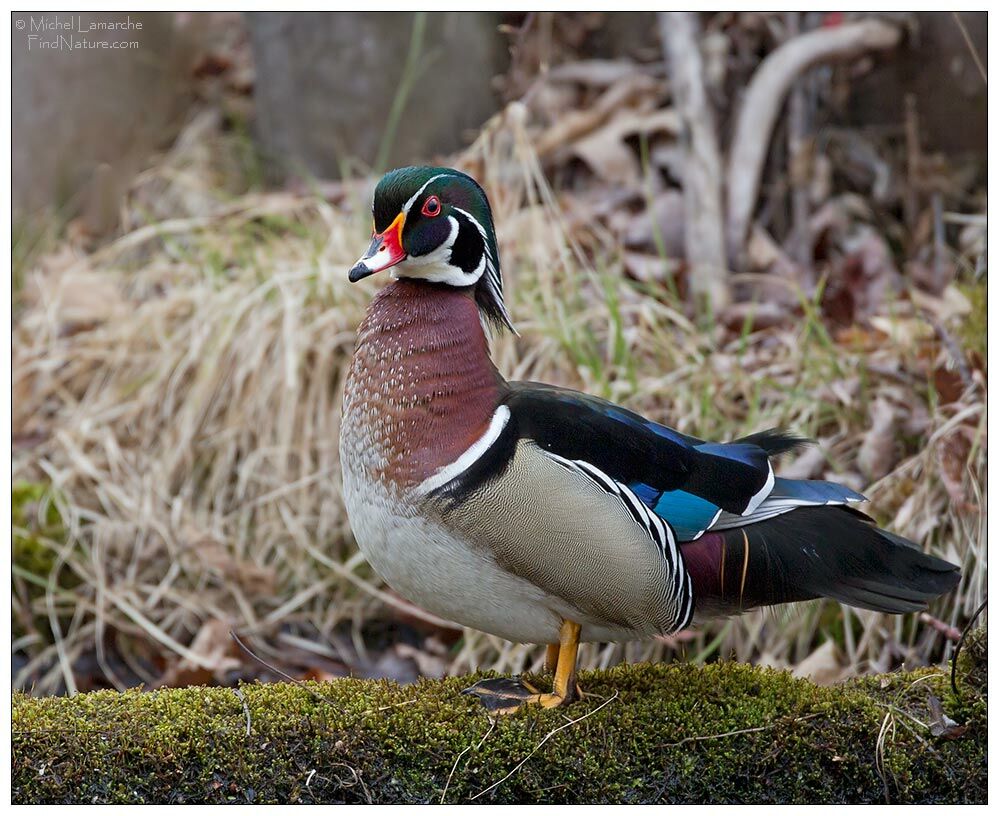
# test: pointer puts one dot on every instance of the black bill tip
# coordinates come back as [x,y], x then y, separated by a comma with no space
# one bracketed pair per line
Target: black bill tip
[359,271]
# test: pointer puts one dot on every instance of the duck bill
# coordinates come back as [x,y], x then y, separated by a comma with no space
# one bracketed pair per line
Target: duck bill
[385,251]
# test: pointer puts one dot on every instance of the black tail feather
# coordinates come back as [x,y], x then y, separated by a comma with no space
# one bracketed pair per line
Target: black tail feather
[813,552]
[777,442]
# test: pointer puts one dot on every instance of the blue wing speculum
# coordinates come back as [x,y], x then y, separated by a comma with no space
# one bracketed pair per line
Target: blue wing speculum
[693,485]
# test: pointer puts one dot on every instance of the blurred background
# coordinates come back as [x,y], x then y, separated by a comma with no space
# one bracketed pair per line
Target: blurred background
[725,221]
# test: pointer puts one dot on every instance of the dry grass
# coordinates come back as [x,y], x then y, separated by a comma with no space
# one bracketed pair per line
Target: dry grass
[180,391]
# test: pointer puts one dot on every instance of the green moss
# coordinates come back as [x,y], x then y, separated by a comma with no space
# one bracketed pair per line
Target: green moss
[974,327]
[37,535]
[648,733]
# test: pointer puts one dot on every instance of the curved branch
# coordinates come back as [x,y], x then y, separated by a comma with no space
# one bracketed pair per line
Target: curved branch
[764,97]
[702,176]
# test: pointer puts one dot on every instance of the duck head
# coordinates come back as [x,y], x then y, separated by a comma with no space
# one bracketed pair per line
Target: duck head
[435,224]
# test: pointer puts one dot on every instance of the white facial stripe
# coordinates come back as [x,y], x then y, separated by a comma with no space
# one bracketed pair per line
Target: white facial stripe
[478,226]
[485,239]
[470,456]
[418,193]
[492,276]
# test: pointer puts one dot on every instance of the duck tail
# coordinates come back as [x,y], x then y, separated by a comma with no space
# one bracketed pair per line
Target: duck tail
[813,552]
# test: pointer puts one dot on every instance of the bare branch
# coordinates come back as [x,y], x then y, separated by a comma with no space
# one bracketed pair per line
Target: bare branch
[702,177]
[762,103]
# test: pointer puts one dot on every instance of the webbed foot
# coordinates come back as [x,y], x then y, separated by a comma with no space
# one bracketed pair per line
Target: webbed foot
[504,695]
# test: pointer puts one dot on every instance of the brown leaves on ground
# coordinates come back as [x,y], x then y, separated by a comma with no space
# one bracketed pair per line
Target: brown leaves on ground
[940,724]
[879,452]
[179,385]
[212,654]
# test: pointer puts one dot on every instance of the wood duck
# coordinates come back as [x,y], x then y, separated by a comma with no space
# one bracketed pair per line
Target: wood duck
[544,515]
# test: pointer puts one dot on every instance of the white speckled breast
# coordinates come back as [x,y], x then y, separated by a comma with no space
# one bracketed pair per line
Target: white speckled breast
[421,391]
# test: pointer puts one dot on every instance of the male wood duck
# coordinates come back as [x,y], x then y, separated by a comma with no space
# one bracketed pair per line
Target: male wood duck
[544,515]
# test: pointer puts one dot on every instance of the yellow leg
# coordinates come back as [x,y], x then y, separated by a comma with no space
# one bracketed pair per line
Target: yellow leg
[505,695]
[564,686]
[551,658]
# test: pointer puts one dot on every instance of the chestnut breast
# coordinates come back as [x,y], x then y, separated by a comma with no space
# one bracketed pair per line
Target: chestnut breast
[421,387]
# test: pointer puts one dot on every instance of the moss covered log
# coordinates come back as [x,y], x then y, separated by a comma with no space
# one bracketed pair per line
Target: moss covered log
[647,733]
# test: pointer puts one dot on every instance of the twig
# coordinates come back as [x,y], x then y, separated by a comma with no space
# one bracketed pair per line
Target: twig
[246,708]
[704,237]
[971,46]
[913,154]
[547,737]
[358,780]
[950,632]
[763,100]
[799,168]
[411,72]
[457,759]
[960,645]
[706,737]
[939,237]
[276,670]
[879,751]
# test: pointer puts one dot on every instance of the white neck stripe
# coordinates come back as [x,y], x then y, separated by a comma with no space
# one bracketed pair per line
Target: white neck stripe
[470,456]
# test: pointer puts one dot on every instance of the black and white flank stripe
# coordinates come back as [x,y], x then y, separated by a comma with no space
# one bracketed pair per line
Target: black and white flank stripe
[679,592]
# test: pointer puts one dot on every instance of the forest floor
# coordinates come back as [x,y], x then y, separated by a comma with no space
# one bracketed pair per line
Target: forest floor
[177,384]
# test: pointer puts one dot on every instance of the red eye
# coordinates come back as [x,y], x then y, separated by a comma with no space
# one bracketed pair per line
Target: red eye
[431,207]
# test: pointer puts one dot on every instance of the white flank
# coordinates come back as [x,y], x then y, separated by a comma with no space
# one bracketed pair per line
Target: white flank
[470,456]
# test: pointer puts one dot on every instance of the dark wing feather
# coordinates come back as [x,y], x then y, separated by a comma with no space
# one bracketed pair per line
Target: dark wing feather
[636,451]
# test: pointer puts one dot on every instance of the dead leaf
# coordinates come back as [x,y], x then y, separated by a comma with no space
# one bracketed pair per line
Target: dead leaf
[878,453]
[661,225]
[948,384]
[860,282]
[610,157]
[822,666]
[831,222]
[807,465]
[907,332]
[952,303]
[952,454]
[216,649]
[648,268]
[941,725]
[429,665]
[252,578]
